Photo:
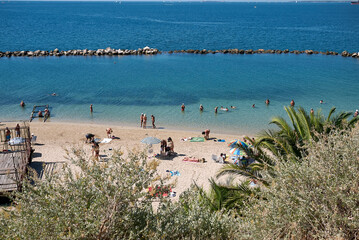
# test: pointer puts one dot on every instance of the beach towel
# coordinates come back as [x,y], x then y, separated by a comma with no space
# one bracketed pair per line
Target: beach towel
[106,140]
[197,139]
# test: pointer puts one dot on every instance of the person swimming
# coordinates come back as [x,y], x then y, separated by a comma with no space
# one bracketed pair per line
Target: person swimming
[267,102]
[201,108]
[224,109]
[321,101]
[233,107]
[292,103]
[22,104]
[253,106]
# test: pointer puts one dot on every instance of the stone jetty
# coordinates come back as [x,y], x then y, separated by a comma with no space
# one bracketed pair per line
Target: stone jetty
[153,51]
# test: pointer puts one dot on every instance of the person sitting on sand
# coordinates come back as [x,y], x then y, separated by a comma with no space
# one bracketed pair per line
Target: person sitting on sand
[163,147]
[39,114]
[22,104]
[109,131]
[183,107]
[170,147]
[292,103]
[201,108]
[267,102]
[17,130]
[89,137]
[144,120]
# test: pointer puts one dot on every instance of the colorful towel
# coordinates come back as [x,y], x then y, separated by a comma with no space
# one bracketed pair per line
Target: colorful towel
[197,139]
[190,159]
[106,140]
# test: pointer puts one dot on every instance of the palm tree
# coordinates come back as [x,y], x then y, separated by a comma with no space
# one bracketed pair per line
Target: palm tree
[288,142]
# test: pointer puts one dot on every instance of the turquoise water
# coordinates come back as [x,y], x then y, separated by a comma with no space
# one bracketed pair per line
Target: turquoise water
[121,88]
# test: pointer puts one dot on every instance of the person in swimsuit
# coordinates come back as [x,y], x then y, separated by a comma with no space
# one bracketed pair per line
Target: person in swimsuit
[39,114]
[7,134]
[95,150]
[183,107]
[91,108]
[216,110]
[153,121]
[163,147]
[109,131]
[144,120]
[206,134]
[292,103]
[22,104]
[141,119]
[17,130]
[253,106]
[312,111]
[201,108]
[170,146]
[267,102]
[89,137]
[356,113]
[233,107]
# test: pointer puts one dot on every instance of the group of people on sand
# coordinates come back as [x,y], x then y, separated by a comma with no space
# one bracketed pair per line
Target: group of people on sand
[167,147]
[143,119]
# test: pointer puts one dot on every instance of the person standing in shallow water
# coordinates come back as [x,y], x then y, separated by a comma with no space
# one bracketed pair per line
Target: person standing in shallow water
[216,110]
[292,103]
[201,108]
[141,119]
[267,102]
[144,120]
[91,108]
[153,121]
[183,107]
[22,104]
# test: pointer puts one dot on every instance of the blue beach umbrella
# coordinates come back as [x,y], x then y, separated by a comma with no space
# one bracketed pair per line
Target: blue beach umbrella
[150,140]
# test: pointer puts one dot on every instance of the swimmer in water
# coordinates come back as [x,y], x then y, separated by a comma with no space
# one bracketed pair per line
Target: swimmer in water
[253,106]
[311,111]
[91,108]
[201,108]
[53,94]
[215,109]
[183,107]
[267,102]
[22,104]
[233,107]
[292,103]
[321,101]
[356,113]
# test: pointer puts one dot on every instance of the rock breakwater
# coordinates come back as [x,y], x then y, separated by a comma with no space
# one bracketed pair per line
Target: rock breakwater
[153,51]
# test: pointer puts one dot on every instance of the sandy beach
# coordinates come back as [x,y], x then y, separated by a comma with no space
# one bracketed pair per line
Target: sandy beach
[53,139]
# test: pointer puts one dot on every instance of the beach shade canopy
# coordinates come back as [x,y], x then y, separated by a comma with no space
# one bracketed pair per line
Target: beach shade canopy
[237,151]
[150,140]
[236,144]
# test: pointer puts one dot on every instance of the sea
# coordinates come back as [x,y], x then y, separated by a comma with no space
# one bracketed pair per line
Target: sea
[122,87]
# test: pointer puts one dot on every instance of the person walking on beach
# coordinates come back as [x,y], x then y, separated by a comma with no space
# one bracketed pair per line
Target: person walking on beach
[17,130]
[153,121]
[267,102]
[216,110]
[183,107]
[292,103]
[141,119]
[91,108]
[144,120]
[201,108]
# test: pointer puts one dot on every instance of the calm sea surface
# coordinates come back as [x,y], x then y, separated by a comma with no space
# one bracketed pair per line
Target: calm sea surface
[123,87]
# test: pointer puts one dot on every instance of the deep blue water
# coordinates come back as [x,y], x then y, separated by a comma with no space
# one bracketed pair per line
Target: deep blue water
[123,87]
[168,26]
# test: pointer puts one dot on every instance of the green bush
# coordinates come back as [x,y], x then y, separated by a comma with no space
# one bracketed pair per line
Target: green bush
[92,200]
[316,198]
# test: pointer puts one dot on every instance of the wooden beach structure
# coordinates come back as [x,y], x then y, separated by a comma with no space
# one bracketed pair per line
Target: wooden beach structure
[15,156]
[36,109]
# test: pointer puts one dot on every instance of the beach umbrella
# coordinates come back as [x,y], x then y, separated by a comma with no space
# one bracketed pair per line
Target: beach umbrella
[150,140]
[237,151]
[236,143]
